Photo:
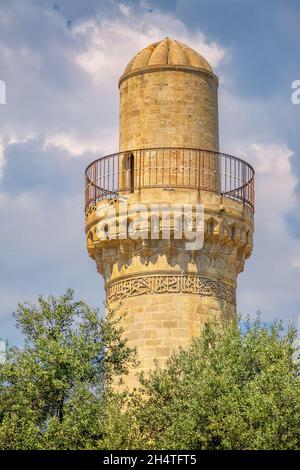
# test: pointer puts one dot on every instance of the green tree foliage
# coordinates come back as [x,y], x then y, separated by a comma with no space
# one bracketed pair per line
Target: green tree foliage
[229,390]
[52,391]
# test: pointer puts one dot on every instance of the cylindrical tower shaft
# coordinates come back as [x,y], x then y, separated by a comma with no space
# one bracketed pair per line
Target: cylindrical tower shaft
[169,148]
[168,98]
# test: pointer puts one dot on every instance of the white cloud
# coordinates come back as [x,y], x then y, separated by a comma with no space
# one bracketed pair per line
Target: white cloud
[125,9]
[295,260]
[111,43]
[250,128]
[270,280]
[72,144]
[275,184]
[10,138]
[2,155]
[274,159]
[81,117]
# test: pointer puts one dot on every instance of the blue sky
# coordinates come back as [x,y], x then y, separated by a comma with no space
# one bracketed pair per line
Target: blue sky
[61,61]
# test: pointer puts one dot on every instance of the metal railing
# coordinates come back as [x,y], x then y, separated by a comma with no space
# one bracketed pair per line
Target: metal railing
[168,168]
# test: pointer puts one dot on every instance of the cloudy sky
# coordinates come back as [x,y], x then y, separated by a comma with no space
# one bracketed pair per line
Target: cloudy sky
[61,60]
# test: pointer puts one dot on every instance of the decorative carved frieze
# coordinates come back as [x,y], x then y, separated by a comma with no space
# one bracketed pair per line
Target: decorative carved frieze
[169,284]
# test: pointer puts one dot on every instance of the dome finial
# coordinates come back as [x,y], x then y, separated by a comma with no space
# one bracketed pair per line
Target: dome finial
[167,52]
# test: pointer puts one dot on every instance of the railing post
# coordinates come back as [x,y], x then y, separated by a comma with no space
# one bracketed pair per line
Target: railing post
[139,162]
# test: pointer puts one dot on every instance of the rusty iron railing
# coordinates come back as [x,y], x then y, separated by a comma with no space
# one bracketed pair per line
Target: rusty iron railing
[168,168]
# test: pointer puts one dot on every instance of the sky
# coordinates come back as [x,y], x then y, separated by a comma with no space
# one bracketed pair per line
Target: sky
[60,61]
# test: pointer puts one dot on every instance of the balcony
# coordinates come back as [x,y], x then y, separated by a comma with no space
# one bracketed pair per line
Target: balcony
[169,168]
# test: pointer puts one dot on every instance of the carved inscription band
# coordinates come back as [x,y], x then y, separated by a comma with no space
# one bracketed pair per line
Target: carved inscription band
[170,284]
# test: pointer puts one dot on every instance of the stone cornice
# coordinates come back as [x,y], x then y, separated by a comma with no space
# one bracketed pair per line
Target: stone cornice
[172,68]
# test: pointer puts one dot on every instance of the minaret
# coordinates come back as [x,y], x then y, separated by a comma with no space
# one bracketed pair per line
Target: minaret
[169,157]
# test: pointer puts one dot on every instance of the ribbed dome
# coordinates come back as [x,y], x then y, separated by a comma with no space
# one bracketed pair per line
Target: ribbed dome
[167,52]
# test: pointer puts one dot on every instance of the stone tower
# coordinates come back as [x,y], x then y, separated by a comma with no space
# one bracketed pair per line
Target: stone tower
[168,157]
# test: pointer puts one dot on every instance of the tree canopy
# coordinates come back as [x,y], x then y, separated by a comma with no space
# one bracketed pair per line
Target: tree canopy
[232,388]
[229,390]
[52,391]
